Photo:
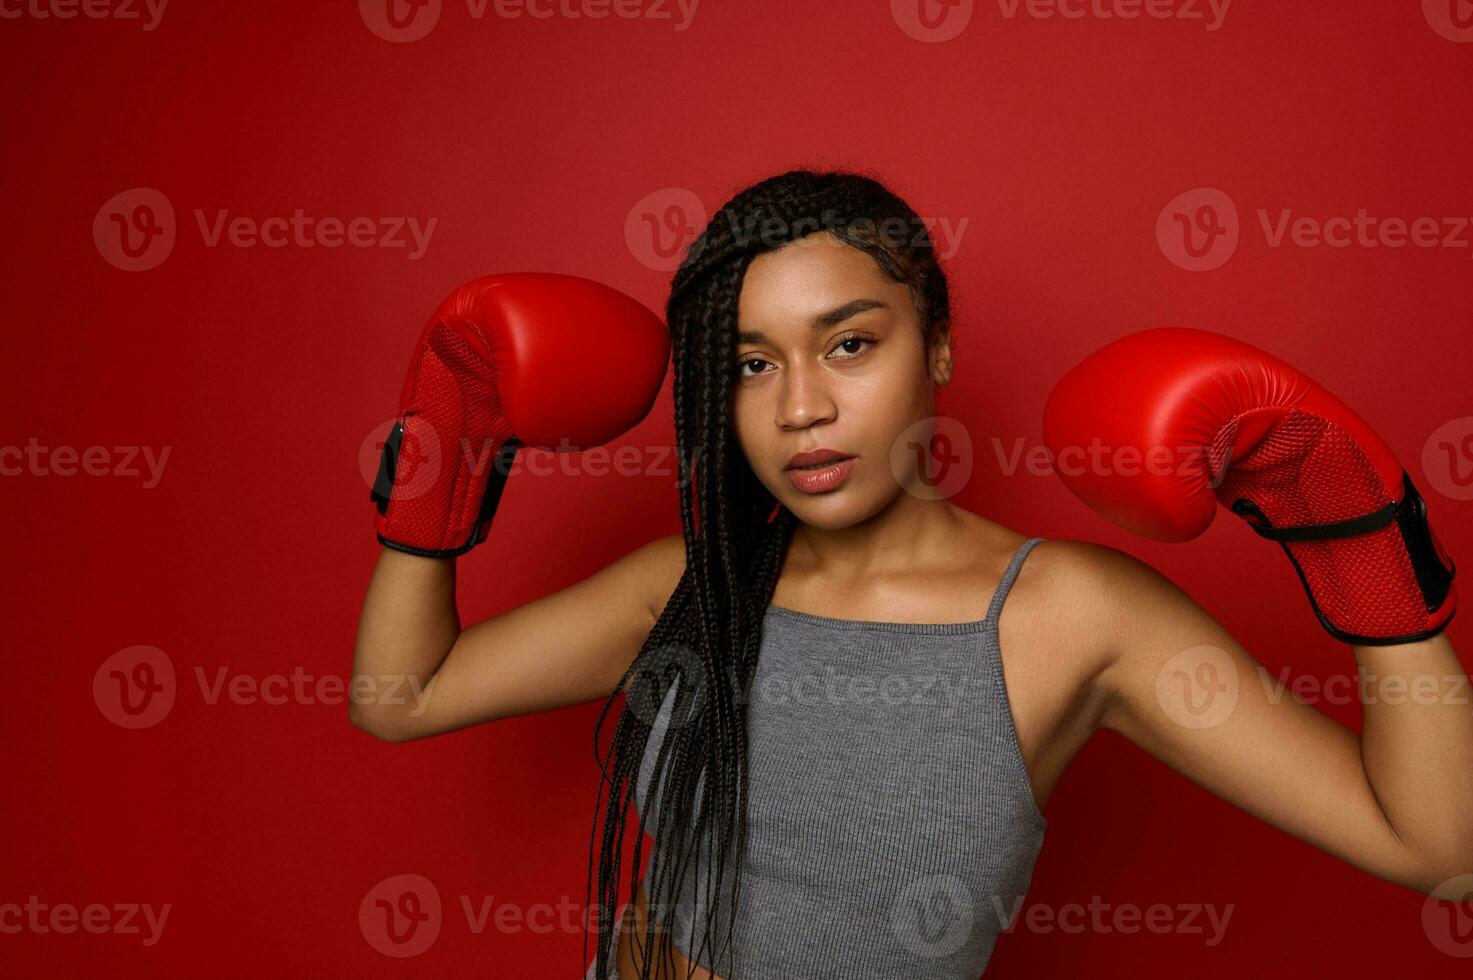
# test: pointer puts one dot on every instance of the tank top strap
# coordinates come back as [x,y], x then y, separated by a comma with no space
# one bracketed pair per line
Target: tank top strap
[1009,576]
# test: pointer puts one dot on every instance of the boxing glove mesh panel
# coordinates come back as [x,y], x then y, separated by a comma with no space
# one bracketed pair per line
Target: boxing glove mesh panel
[1307,471]
[454,398]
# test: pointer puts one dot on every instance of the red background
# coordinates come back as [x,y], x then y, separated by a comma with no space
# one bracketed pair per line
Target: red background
[533,142]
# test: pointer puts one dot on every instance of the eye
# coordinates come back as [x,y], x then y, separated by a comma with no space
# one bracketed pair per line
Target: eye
[750,360]
[845,343]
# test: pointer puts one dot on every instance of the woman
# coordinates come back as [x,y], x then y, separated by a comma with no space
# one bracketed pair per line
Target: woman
[829,637]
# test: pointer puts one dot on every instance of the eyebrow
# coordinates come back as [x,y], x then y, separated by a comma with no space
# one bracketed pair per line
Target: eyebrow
[823,321]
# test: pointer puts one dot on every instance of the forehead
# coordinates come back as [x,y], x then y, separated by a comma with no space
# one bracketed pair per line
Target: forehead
[807,277]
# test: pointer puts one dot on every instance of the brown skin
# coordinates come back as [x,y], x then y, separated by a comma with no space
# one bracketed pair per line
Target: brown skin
[1087,632]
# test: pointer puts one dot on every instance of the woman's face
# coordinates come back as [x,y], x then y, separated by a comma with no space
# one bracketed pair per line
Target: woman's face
[829,356]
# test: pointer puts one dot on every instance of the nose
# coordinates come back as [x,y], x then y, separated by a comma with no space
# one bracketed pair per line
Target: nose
[804,399]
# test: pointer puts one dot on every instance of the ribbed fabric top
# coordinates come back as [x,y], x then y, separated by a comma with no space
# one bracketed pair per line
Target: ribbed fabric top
[892,827]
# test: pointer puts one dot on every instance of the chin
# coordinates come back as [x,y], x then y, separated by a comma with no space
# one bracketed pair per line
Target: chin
[832,511]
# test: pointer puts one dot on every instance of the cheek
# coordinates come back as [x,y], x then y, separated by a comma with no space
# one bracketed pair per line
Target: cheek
[890,403]
[895,420]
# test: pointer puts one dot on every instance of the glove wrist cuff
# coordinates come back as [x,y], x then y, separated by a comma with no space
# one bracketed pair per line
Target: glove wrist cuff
[1433,575]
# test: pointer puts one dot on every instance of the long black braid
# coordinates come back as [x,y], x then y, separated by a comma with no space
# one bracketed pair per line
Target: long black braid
[705,643]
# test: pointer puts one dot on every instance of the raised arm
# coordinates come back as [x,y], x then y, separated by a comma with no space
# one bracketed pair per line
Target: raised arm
[507,361]
[1192,421]
[1396,801]
[416,673]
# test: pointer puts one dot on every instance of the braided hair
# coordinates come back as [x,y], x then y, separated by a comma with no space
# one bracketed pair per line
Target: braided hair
[705,643]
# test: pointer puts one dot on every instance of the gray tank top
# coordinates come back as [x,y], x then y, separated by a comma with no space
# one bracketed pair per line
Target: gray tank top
[892,827]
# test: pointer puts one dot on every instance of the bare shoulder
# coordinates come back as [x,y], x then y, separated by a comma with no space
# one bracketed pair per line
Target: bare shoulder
[1099,600]
[1086,564]
[658,565]
[1094,584]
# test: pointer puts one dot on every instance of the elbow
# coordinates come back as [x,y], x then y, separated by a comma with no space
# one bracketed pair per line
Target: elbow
[364,721]
[370,722]
[1450,885]
[1448,878]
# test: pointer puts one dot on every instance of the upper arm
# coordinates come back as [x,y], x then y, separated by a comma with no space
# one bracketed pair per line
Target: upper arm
[1176,683]
[568,647]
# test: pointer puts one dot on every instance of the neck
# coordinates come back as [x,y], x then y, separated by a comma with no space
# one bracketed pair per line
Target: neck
[907,532]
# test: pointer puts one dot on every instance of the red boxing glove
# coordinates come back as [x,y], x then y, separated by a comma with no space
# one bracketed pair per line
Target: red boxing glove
[1207,419]
[519,359]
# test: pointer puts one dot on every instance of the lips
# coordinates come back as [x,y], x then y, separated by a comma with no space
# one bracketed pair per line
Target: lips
[822,477]
[816,458]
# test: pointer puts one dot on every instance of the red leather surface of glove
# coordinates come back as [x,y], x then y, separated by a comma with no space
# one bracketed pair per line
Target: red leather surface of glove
[516,359]
[1184,420]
